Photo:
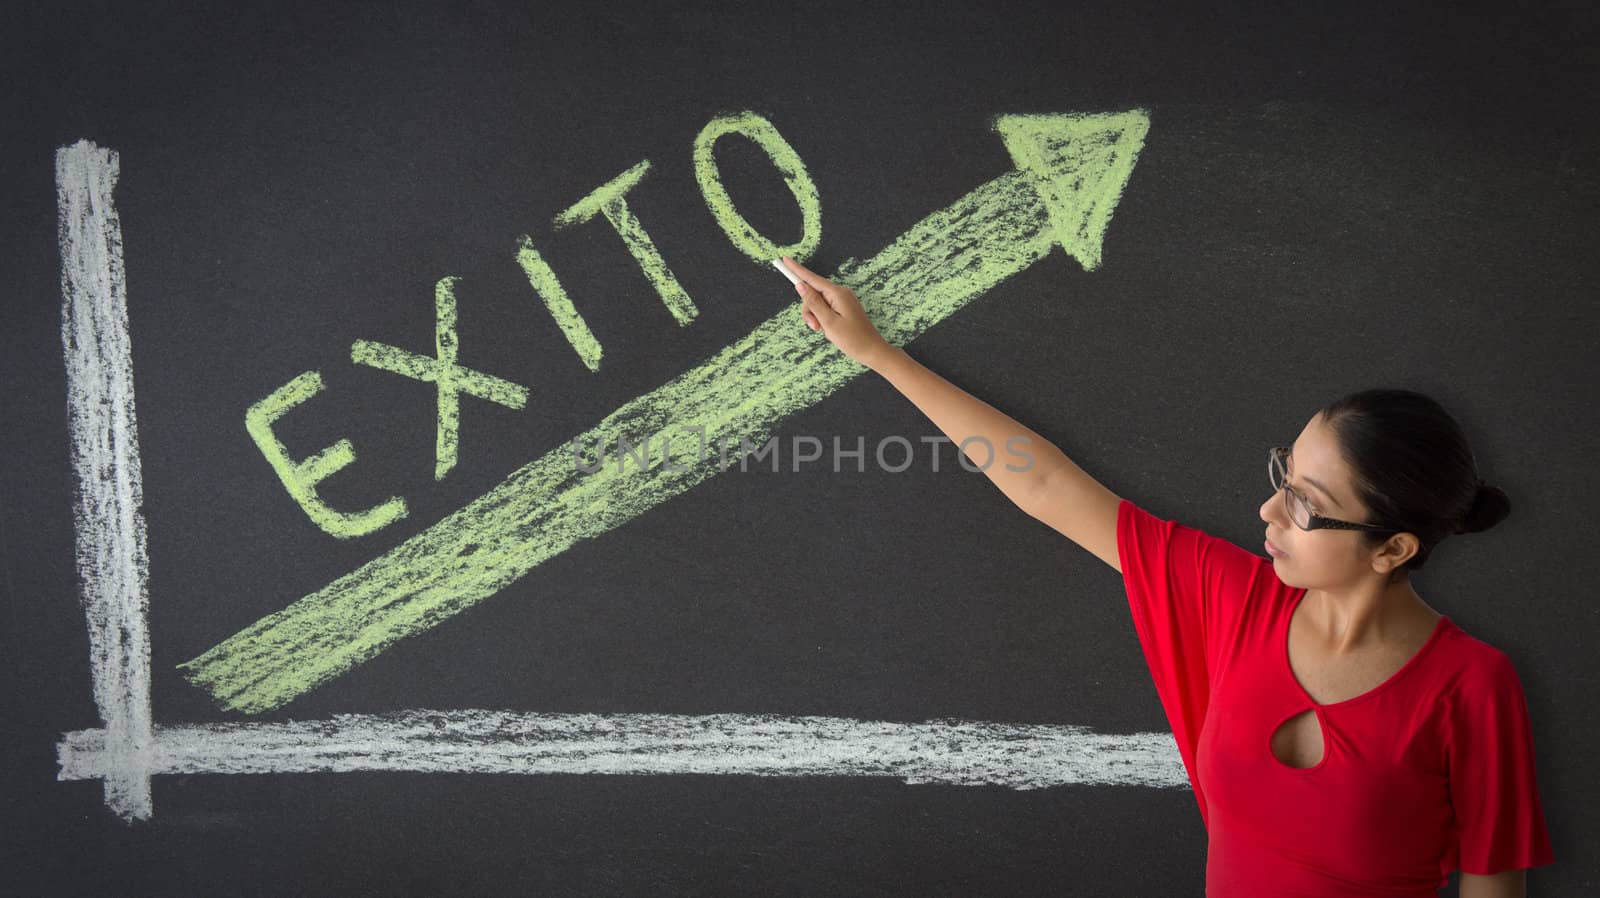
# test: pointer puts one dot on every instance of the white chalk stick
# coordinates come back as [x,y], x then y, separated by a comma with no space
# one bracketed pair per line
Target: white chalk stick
[778,264]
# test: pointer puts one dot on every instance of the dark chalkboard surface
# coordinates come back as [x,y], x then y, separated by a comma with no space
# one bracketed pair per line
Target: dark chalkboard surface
[334,608]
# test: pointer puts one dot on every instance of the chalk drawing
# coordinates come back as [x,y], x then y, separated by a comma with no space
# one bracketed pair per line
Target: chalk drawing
[948,752]
[783,156]
[300,478]
[111,556]
[1069,176]
[555,298]
[128,749]
[610,200]
[451,378]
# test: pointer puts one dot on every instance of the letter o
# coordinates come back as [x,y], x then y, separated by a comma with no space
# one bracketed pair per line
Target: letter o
[894,439]
[739,231]
[962,455]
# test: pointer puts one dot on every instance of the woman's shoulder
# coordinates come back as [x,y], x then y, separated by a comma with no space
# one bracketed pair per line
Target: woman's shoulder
[1472,666]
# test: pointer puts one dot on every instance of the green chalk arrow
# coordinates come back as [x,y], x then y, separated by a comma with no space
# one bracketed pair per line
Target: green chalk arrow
[1070,171]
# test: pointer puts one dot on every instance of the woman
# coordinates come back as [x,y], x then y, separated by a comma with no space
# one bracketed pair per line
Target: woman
[1341,736]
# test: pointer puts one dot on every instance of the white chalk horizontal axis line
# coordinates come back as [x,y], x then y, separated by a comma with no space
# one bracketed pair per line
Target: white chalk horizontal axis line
[952,752]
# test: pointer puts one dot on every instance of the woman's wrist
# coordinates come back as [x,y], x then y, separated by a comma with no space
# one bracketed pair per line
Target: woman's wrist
[884,357]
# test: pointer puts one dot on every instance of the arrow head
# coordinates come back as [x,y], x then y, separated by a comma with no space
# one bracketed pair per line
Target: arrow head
[1079,165]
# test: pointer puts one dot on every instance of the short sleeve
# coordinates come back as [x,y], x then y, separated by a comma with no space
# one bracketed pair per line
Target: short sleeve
[1494,792]
[1186,590]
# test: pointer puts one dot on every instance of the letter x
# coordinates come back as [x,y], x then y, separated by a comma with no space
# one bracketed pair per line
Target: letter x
[453,379]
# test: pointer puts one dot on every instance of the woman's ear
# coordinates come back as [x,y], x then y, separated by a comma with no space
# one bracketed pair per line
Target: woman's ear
[1395,551]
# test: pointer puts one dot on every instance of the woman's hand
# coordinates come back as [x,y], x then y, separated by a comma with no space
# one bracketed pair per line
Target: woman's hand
[838,314]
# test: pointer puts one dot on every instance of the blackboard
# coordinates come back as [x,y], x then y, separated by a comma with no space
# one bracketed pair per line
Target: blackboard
[802,680]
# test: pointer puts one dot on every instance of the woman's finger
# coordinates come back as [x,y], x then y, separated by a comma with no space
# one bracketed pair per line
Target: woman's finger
[819,301]
[807,315]
[820,310]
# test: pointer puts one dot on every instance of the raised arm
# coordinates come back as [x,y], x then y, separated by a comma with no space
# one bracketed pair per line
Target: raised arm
[1050,487]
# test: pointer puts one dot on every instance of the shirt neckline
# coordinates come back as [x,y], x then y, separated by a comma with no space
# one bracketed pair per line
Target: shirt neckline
[1433,637]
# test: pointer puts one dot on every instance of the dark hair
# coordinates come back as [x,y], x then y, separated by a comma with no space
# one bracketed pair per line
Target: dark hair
[1413,469]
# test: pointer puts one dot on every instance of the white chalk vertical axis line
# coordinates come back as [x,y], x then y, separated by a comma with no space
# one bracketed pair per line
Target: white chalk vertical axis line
[111,555]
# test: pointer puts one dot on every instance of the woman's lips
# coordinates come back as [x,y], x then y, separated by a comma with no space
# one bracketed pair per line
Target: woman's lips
[1275,551]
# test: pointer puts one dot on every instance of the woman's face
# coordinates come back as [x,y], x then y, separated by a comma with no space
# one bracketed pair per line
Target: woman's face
[1324,558]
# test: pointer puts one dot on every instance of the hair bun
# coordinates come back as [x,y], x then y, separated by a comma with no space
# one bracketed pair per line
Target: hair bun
[1489,507]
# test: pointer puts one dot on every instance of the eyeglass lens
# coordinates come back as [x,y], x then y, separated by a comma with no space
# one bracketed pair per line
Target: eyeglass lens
[1299,512]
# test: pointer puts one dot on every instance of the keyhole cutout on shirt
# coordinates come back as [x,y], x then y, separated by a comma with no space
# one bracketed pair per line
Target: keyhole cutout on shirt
[1298,741]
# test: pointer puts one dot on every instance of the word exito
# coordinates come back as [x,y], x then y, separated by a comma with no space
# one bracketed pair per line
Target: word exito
[1067,177]
[610,201]
[641,455]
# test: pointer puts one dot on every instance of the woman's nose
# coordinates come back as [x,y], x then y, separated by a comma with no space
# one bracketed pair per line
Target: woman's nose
[1267,511]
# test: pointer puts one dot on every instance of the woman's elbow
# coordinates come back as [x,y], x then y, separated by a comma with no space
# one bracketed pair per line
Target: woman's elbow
[1505,884]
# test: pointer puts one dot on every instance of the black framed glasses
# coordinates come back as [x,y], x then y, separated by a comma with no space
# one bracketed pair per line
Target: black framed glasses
[1299,507]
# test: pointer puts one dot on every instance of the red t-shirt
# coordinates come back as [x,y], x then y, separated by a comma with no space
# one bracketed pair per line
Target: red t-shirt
[1430,771]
